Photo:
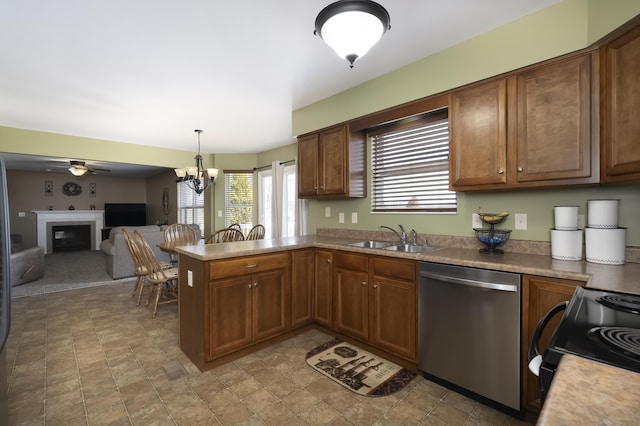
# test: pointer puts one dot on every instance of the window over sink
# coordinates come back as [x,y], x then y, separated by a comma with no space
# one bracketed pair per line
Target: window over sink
[410,165]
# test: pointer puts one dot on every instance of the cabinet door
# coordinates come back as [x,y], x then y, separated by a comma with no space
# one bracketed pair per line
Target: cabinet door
[230,321]
[540,294]
[302,268]
[351,303]
[554,137]
[333,165]
[308,166]
[620,106]
[268,303]
[393,316]
[323,288]
[478,141]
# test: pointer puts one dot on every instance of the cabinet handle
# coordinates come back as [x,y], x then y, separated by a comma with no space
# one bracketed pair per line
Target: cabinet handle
[255,285]
[328,260]
[520,169]
[364,283]
[500,171]
[375,286]
[253,265]
[322,187]
[250,285]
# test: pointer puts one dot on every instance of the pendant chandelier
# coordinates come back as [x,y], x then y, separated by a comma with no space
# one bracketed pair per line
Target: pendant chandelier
[197,177]
[352,27]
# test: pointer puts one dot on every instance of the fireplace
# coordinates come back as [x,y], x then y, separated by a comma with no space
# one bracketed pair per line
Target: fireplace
[70,237]
[48,219]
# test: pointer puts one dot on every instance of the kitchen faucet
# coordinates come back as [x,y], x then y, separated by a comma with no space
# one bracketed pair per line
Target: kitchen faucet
[402,236]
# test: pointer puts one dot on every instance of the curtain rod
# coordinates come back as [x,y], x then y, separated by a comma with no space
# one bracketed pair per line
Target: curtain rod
[269,166]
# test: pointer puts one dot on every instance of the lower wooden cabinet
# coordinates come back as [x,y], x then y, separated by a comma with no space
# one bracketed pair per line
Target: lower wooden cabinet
[393,305]
[539,295]
[323,288]
[375,301]
[302,278]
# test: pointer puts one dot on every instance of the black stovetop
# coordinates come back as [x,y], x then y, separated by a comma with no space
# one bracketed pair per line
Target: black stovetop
[592,318]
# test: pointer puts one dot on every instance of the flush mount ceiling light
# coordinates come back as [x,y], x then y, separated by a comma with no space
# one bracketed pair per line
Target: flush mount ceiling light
[352,27]
[197,177]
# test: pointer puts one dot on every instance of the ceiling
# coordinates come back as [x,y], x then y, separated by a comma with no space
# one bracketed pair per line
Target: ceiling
[150,72]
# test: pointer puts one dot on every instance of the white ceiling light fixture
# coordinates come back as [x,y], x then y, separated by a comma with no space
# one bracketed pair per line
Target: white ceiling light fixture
[197,177]
[78,169]
[352,27]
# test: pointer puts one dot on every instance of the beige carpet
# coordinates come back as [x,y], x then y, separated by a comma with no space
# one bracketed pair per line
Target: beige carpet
[68,271]
[358,370]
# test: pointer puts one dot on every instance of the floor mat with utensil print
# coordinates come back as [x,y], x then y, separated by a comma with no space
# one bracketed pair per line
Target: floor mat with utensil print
[357,370]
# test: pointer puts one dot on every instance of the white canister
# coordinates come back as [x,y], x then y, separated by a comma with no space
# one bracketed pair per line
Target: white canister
[566,217]
[602,213]
[605,245]
[566,245]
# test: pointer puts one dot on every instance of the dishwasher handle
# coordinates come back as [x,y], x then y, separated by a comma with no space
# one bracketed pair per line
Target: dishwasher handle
[469,282]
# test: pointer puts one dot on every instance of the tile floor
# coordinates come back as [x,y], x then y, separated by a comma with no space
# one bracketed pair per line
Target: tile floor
[91,357]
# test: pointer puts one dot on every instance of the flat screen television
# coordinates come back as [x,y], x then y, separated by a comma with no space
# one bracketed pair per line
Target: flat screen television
[125,214]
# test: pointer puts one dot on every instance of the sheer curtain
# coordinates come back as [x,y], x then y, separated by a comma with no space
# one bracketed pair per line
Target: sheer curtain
[289,215]
[277,207]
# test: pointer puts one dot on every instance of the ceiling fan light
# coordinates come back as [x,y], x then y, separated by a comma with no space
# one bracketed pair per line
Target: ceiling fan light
[352,27]
[78,171]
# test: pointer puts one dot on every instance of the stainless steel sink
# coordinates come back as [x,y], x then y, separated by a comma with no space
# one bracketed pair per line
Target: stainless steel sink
[371,244]
[411,248]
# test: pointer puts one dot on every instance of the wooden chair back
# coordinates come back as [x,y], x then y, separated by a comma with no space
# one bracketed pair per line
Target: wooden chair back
[256,233]
[225,235]
[236,226]
[180,234]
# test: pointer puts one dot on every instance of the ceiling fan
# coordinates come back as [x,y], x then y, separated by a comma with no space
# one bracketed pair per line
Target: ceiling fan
[78,168]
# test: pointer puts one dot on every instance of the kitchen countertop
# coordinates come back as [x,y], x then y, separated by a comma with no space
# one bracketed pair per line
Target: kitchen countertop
[583,391]
[622,278]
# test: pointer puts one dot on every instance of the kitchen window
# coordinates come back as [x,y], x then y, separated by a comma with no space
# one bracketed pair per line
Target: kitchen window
[238,198]
[410,165]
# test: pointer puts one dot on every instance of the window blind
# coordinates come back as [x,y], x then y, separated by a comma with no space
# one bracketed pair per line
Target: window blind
[190,206]
[410,166]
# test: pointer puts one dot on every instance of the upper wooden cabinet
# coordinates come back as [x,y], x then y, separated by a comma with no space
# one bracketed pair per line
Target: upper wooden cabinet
[331,164]
[533,128]
[620,60]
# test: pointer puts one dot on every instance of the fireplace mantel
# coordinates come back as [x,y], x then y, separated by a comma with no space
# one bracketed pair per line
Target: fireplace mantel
[46,217]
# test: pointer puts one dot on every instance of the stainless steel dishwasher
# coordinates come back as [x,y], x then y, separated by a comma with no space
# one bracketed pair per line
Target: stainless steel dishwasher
[469,332]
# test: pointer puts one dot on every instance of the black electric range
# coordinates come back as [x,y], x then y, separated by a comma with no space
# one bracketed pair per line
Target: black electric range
[602,326]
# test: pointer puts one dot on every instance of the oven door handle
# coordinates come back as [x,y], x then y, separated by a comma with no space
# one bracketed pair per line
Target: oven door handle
[534,358]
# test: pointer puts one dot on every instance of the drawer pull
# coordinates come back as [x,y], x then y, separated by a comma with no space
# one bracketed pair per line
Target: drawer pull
[364,283]
[252,265]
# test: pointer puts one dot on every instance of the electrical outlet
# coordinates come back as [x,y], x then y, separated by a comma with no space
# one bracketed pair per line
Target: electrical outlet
[340,217]
[521,221]
[190,278]
[219,213]
[327,212]
[354,217]
[476,222]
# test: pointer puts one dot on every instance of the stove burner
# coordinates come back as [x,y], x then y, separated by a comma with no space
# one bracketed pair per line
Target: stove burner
[623,340]
[620,302]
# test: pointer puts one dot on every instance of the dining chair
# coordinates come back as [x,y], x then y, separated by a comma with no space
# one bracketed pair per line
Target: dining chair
[161,280]
[256,233]
[139,268]
[236,226]
[225,235]
[178,234]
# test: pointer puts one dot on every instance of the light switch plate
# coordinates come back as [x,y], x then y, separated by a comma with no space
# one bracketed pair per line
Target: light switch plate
[521,221]
[476,222]
[354,217]
[327,212]
[340,217]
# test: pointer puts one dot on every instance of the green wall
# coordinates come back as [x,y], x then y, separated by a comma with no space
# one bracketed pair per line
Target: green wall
[562,28]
